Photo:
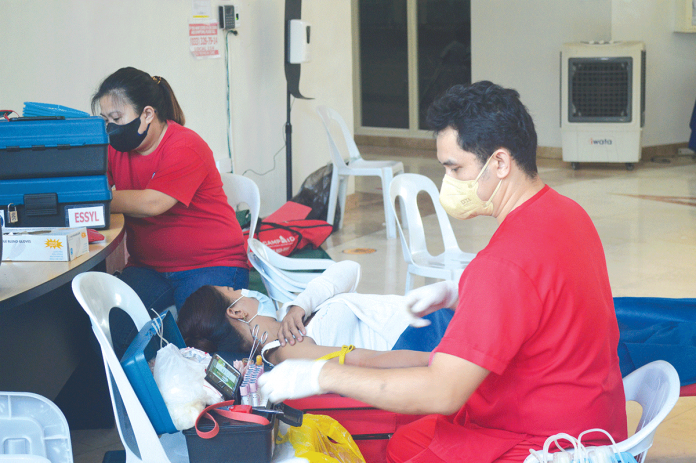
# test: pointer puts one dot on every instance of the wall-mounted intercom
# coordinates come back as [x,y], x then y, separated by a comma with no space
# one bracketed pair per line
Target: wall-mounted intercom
[228,17]
[298,41]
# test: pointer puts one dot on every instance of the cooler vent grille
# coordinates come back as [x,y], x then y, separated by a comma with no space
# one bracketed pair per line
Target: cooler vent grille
[600,89]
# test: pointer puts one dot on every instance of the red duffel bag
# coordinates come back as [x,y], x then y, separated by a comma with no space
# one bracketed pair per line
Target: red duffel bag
[292,235]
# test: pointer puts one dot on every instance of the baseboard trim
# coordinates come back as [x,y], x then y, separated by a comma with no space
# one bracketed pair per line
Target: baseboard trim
[543,152]
[671,149]
[396,142]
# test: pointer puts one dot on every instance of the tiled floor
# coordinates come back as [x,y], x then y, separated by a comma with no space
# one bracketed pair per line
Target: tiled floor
[646,219]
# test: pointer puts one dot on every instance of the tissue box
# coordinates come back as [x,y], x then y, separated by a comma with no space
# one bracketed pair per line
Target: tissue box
[44,244]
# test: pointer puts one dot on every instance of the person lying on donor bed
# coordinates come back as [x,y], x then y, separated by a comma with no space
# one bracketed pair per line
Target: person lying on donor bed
[327,315]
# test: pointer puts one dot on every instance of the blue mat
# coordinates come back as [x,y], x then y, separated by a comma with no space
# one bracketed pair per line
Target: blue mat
[653,328]
[427,338]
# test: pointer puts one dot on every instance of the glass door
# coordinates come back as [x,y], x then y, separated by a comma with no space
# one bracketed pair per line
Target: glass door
[407,53]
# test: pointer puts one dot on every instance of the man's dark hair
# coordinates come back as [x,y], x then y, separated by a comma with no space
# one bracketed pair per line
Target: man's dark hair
[487,117]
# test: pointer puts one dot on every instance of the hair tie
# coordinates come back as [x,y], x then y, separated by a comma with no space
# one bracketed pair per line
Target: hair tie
[157,79]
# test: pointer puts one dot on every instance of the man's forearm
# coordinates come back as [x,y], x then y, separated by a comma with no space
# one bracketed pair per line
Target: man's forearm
[443,387]
[389,359]
[401,390]
[358,357]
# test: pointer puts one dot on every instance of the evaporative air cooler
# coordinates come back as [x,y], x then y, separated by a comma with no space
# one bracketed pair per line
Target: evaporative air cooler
[602,102]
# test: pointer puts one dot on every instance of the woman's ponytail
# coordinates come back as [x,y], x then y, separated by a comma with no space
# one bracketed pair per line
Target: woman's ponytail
[171,105]
[140,89]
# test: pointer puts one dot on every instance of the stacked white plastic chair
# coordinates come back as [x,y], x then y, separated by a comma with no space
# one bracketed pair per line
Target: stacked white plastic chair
[283,276]
[448,265]
[356,166]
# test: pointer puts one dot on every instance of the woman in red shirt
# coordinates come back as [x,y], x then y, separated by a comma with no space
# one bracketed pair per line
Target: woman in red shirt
[181,233]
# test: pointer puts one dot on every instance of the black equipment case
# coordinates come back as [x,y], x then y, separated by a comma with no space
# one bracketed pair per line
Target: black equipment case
[53,172]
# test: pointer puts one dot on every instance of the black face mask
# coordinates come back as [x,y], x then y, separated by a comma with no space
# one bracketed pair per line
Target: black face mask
[125,137]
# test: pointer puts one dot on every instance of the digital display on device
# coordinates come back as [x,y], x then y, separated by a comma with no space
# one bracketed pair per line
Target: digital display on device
[223,376]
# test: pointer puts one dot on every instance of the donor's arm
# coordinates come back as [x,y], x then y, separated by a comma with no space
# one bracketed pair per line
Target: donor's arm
[358,357]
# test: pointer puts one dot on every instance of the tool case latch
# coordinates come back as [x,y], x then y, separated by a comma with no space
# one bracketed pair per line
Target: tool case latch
[41,204]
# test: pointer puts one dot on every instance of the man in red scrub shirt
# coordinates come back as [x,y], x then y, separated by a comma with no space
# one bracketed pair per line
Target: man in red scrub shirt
[532,348]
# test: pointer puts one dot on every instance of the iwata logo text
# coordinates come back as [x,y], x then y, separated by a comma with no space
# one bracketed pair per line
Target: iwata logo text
[603,141]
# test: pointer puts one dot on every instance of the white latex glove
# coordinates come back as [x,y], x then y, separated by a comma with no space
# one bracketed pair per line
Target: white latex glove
[292,379]
[427,299]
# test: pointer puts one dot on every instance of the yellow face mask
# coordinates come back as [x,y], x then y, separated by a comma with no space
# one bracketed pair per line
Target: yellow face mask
[460,199]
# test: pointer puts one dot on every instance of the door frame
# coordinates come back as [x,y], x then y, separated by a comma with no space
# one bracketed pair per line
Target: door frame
[413,94]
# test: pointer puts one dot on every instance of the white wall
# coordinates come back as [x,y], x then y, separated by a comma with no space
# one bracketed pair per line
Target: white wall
[59,52]
[517,44]
[670,66]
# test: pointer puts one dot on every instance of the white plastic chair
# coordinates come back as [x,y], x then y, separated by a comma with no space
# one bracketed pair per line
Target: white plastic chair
[278,292]
[243,190]
[33,430]
[655,387]
[447,266]
[357,166]
[98,293]
[283,276]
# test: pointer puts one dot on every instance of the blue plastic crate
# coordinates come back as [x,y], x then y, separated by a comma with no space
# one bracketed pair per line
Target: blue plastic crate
[135,364]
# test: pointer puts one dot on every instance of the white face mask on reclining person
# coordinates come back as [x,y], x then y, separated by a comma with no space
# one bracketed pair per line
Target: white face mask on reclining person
[266,306]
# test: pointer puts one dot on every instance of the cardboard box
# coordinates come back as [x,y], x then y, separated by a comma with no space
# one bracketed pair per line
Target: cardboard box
[44,244]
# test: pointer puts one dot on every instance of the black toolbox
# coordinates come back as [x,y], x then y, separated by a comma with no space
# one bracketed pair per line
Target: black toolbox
[237,441]
[53,147]
[53,172]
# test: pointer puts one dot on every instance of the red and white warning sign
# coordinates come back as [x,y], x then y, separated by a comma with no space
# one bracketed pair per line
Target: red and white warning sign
[203,39]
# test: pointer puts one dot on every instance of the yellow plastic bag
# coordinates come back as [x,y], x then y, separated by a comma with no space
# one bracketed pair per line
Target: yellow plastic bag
[321,439]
